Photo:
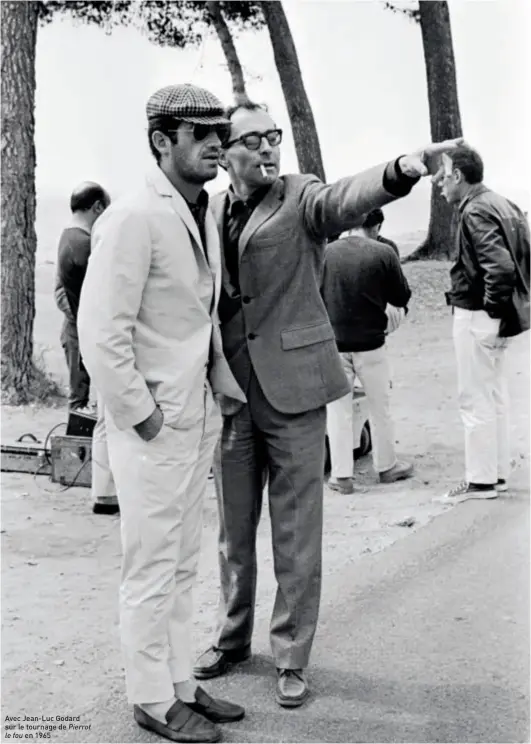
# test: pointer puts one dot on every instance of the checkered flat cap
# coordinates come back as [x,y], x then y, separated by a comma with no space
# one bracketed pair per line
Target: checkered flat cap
[186,103]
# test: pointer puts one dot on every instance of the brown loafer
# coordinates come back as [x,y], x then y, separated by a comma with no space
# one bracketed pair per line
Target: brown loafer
[341,485]
[400,471]
[292,688]
[215,710]
[182,724]
[214,661]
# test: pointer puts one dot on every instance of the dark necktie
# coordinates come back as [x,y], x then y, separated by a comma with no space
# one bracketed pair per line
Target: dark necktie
[237,217]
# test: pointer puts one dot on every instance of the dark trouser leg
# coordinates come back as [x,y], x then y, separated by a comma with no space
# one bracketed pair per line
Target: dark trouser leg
[240,473]
[296,452]
[79,380]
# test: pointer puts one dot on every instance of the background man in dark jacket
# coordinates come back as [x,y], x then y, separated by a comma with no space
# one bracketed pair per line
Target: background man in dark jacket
[87,202]
[362,278]
[490,300]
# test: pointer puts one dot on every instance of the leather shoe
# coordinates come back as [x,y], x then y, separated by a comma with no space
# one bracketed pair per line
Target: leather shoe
[99,507]
[214,662]
[292,688]
[217,711]
[182,724]
[400,471]
[342,485]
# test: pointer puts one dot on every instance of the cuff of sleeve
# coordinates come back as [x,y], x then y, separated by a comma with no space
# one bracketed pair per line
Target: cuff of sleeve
[128,419]
[396,182]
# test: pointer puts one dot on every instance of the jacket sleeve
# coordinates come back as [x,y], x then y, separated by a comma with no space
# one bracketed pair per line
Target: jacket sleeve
[494,259]
[110,302]
[80,260]
[398,292]
[330,209]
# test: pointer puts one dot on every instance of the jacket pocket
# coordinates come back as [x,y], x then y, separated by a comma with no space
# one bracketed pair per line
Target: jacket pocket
[295,338]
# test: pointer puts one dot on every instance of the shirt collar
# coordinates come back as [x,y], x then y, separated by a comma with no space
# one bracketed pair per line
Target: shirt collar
[256,197]
[201,203]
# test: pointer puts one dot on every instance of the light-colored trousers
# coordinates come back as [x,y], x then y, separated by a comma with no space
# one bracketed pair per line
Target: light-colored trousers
[372,369]
[483,395]
[161,485]
[103,487]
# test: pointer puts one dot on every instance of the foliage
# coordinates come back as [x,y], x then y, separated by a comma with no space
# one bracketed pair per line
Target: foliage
[164,22]
[407,8]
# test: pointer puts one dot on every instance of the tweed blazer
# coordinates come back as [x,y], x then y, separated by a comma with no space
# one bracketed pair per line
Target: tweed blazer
[281,327]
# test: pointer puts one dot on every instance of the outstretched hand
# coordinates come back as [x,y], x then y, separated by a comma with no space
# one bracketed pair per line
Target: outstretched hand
[427,160]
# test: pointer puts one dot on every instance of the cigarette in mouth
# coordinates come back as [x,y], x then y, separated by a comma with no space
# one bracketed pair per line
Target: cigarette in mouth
[263,170]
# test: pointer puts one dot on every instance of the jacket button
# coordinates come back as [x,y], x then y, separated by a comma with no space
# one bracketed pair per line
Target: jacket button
[251,336]
[246,300]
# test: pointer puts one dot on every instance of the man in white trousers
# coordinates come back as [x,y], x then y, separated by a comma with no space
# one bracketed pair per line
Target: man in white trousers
[362,280]
[150,339]
[489,296]
[103,488]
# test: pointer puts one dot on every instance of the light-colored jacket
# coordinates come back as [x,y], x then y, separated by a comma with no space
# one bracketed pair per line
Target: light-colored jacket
[148,309]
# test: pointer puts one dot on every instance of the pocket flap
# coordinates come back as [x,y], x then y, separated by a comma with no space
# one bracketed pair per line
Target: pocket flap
[294,338]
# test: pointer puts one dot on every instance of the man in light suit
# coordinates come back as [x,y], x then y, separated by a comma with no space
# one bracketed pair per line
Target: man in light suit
[150,339]
[281,348]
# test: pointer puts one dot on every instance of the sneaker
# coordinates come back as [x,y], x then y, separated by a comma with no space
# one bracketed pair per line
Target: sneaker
[465,491]
[399,471]
[342,485]
[501,485]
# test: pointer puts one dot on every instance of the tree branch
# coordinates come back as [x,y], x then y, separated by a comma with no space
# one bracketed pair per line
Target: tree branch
[215,14]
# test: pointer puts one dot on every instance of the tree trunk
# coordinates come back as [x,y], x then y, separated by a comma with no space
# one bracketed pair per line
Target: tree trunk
[229,50]
[445,119]
[300,112]
[19,242]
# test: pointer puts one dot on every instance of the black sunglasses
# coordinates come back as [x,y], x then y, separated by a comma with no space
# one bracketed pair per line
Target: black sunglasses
[201,131]
[253,140]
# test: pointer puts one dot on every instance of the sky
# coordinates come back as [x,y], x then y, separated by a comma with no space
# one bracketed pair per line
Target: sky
[363,69]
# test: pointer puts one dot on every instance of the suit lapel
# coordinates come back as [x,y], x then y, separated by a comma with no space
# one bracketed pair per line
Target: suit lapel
[214,253]
[181,207]
[266,209]
[163,187]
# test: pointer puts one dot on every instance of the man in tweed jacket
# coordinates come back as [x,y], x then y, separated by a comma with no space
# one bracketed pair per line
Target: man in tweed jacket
[281,349]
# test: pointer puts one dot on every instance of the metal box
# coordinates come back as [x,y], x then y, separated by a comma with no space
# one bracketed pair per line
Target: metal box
[71,460]
[25,458]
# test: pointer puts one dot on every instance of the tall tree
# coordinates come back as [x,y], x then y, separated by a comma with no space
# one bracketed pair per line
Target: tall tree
[19,242]
[300,111]
[445,117]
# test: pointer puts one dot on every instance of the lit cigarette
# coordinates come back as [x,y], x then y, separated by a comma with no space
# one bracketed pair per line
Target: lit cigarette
[263,170]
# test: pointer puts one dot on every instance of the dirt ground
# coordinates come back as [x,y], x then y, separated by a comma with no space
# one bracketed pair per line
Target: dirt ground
[60,563]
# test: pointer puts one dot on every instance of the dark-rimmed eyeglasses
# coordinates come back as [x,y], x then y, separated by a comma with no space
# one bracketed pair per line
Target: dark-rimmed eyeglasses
[253,140]
[201,131]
